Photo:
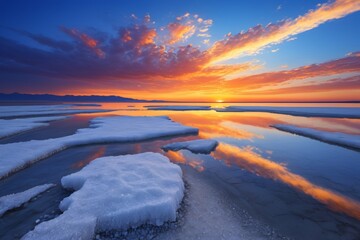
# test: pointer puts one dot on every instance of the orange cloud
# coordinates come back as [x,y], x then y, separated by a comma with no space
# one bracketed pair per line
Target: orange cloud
[86,40]
[253,162]
[179,32]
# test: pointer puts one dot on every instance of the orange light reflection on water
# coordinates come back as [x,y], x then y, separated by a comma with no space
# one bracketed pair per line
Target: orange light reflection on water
[246,158]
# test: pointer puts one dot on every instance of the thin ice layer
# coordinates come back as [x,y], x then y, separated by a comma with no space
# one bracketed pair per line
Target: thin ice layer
[204,146]
[40,110]
[14,126]
[179,108]
[342,139]
[332,112]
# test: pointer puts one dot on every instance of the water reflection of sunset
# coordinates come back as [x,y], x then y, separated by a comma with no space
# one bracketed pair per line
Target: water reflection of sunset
[98,153]
[246,158]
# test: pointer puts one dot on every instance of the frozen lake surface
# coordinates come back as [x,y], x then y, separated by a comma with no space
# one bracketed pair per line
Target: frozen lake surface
[259,183]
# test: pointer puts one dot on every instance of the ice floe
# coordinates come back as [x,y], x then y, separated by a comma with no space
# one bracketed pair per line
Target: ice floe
[179,108]
[204,146]
[342,139]
[333,112]
[40,110]
[15,200]
[15,156]
[116,192]
[14,126]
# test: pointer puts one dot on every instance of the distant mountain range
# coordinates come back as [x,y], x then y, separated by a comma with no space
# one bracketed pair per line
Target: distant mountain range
[67,98]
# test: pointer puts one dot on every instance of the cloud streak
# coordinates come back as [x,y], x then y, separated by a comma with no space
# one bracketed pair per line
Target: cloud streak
[259,37]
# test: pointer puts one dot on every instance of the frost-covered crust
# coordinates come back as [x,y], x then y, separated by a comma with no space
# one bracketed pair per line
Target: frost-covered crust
[342,139]
[14,126]
[179,108]
[204,146]
[116,193]
[333,112]
[15,200]
[15,156]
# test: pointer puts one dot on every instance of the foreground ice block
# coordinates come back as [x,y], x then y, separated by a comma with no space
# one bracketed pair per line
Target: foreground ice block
[15,200]
[15,156]
[14,126]
[116,193]
[204,146]
[342,139]
[333,112]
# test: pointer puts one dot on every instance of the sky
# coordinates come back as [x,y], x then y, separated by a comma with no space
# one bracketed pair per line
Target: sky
[229,50]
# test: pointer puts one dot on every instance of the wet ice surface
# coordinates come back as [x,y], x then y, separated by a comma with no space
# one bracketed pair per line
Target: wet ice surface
[246,180]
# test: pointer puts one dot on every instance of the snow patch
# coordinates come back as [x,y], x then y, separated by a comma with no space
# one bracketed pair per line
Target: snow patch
[36,110]
[116,192]
[15,200]
[15,156]
[331,112]
[342,139]
[14,126]
[204,146]
[179,108]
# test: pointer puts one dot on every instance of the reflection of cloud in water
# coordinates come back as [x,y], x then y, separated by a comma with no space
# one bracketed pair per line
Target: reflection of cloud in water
[99,153]
[255,163]
[179,157]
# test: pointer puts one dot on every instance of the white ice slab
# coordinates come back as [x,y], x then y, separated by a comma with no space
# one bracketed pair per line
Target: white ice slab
[204,146]
[116,193]
[15,200]
[342,139]
[36,110]
[333,112]
[179,108]
[14,126]
[15,156]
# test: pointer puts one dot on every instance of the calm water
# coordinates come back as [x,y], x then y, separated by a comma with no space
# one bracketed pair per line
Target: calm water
[305,189]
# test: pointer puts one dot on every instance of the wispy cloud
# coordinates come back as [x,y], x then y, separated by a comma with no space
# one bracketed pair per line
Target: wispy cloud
[259,37]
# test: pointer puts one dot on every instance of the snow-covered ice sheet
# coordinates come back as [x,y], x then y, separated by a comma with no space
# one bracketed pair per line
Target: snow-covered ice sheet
[342,139]
[36,110]
[15,156]
[179,108]
[204,146]
[15,200]
[333,112]
[116,192]
[14,126]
